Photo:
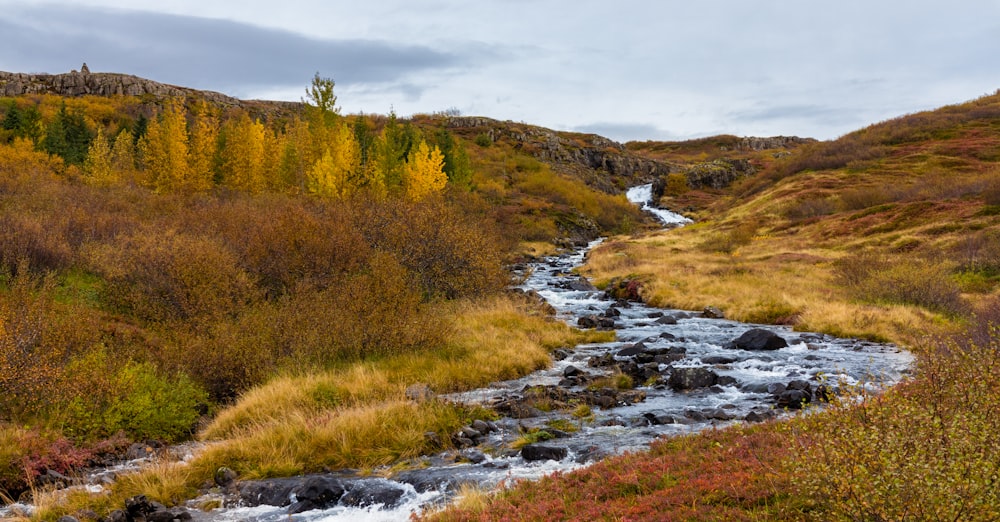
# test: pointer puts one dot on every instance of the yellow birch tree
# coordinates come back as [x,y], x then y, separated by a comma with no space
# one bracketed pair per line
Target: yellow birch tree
[98,164]
[123,155]
[164,150]
[204,144]
[336,173]
[423,174]
[243,154]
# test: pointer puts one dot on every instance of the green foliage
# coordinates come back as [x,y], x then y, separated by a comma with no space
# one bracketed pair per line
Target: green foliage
[922,451]
[68,137]
[134,398]
[878,278]
[483,140]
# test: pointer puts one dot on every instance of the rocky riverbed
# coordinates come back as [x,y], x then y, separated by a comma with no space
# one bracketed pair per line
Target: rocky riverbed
[667,372]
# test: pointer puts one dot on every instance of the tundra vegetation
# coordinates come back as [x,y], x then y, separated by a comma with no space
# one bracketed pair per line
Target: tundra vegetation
[270,283]
[890,233]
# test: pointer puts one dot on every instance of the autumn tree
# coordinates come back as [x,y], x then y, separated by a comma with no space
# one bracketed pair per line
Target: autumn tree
[123,155]
[337,172]
[164,150]
[203,145]
[98,164]
[242,154]
[423,173]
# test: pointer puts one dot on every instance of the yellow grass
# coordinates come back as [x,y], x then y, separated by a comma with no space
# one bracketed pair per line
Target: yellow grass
[768,280]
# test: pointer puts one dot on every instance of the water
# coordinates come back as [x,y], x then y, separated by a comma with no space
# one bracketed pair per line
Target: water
[642,195]
[743,390]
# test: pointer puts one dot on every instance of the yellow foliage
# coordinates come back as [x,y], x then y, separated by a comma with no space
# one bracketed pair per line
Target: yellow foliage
[243,155]
[423,174]
[204,137]
[98,165]
[335,173]
[165,150]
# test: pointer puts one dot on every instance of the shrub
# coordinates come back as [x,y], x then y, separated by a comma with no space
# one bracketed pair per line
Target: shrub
[28,365]
[676,184]
[164,275]
[877,278]
[923,451]
[483,140]
[450,255]
[730,240]
[102,397]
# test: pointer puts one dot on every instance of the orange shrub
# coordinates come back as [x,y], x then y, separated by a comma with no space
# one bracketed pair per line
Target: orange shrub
[160,275]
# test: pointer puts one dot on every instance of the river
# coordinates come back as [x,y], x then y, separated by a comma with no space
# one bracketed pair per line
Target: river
[690,377]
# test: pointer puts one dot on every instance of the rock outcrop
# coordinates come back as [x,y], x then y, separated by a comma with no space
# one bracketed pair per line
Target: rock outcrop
[571,152]
[84,82]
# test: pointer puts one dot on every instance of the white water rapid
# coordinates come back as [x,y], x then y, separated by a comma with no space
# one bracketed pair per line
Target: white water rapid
[642,195]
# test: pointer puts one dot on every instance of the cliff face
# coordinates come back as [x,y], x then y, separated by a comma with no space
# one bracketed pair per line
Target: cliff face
[602,163]
[84,82]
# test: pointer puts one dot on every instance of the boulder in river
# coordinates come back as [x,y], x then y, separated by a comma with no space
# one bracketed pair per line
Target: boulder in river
[758,339]
[364,493]
[533,452]
[711,312]
[692,378]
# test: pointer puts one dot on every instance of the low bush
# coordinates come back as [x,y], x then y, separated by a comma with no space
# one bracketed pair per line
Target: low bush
[878,278]
[163,275]
[924,450]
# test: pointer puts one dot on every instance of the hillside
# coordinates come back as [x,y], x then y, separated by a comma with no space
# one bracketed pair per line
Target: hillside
[275,278]
[890,233]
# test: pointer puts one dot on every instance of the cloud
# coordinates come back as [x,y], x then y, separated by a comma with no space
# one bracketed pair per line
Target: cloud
[205,53]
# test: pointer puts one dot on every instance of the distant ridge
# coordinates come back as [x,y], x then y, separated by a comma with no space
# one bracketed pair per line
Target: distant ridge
[84,82]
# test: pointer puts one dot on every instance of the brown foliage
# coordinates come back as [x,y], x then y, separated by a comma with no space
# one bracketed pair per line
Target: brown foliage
[449,255]
[161,275]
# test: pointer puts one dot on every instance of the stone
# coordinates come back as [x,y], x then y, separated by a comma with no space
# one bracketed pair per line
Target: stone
[67,518]
[474,456]
[712,312]
[657,419]
[759,339]
[581,285]
[587,321]
[794,399]
[719,359]
[224,477]
[272,492]
[535,452]
[666,319]
[691,378]
[372,493]
[323,491]
[631,351]
[419,392]
[482,426]
[572,371]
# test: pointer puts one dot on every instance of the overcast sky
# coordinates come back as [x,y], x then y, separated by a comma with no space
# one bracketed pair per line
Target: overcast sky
[626,69]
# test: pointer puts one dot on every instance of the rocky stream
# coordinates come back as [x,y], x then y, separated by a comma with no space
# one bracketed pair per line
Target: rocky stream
[668,372]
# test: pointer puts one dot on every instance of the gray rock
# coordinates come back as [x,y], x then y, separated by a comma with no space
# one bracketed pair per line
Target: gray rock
[535,452]
[691,378]
[712,312]
[372,493]
[759,339]
[419,392]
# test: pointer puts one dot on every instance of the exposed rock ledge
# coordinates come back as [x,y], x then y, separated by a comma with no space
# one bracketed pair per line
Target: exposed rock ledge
[84,82]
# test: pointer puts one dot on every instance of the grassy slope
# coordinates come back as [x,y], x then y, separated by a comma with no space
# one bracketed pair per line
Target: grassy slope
[917,191]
